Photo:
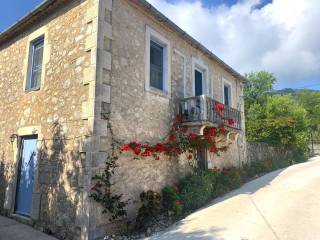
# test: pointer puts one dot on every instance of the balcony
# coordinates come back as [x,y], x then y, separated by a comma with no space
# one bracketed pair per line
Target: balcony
[203,110]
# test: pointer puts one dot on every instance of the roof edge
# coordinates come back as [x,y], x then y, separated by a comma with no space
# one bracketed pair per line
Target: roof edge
[14,29]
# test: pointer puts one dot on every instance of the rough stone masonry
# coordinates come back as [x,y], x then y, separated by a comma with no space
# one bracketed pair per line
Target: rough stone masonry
[94,65]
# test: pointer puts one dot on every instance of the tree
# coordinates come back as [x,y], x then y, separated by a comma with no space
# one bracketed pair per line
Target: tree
[259,87]
[280,121]
[275,119]
[310,100]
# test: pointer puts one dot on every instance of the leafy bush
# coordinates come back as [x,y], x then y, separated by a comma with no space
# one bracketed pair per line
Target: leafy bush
[231,178]
[196,189]
[150,207]
[171,199]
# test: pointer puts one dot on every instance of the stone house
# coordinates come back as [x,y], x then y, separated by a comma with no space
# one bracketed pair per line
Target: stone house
[70,63]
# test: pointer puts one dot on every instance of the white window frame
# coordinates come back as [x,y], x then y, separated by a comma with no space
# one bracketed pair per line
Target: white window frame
[199,66]
[152,35]
[225,82]
[41,32]
[30,64]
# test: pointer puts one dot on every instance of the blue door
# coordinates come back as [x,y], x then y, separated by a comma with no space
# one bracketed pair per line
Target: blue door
[26,175]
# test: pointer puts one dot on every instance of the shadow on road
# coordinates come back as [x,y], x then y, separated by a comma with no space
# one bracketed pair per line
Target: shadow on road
[176,232]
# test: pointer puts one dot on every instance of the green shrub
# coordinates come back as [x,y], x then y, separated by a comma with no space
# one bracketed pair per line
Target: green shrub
[150,207]
[231,178]
[196,189]
[171,199]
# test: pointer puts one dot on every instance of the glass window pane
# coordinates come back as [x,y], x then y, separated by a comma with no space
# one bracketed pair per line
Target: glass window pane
[156,65]
[36,77]
[35,64]
[38,55]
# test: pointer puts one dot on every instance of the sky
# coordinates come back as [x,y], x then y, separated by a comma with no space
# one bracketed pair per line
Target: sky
[279,36]
[12,10]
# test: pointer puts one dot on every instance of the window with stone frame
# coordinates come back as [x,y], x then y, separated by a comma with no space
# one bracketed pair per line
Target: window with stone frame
[35,64]
[158,69]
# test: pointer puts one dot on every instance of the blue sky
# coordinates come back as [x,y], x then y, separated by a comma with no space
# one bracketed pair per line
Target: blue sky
[210,3]
[246,58]
[13,10]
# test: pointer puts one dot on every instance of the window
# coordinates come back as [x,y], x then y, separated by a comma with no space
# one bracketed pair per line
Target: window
[156,65]
[158,69]
[35,64]
[227,94]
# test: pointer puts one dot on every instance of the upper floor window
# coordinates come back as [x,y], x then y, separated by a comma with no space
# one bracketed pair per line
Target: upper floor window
[227,98]
[35,64]
[158,67]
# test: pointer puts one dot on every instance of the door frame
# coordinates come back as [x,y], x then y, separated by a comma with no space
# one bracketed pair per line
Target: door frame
[201,67]
[20,155]
[12,191]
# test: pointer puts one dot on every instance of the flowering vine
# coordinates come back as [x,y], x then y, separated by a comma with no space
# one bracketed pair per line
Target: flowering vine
[181,140]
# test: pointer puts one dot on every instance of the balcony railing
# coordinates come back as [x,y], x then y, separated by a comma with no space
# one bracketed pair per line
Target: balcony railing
[205,109]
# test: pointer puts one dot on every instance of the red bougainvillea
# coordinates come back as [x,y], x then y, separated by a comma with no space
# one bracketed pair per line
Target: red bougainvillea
[218,107]
[181,140]
[231,121]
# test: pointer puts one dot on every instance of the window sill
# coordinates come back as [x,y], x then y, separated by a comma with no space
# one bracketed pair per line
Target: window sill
[32,90]
[158,92]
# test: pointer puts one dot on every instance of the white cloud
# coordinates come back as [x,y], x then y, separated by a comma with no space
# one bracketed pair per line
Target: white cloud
[281,37]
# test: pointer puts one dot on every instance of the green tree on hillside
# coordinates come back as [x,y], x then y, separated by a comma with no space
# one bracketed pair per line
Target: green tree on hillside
[310,100]
[277,120]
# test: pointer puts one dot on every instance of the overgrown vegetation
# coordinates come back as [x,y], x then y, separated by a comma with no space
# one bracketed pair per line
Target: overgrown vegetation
[180,141]
[200,187]
[101,191]
[281,120]
[150,207]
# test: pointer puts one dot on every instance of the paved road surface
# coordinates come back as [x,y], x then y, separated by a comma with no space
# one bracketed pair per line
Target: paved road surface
[282,205]
[12,230]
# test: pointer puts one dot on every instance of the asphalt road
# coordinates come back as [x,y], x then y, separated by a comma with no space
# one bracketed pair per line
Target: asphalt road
[282,205]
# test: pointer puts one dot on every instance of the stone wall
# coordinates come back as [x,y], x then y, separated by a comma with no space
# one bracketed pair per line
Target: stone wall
[55,113]
[316,148]
[264,152]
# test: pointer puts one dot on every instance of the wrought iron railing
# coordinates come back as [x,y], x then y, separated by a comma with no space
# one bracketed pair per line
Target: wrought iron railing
[205,109]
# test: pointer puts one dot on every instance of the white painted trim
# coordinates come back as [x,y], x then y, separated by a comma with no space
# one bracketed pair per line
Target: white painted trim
[184,71]
[228,83]
[151,34]
[199,65]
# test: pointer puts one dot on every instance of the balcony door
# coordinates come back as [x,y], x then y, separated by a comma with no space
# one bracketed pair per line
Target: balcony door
[198,82]
[199,78]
